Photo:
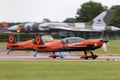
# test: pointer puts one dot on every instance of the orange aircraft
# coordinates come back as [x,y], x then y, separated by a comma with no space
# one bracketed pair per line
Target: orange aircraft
[64,45]
[12,45]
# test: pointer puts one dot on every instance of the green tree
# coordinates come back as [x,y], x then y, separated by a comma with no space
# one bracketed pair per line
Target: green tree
[88,11]
[116,19]
[70,20]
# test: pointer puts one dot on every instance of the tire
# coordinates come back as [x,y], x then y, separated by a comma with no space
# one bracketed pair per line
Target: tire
[61,57]
[54,57]
[86,58]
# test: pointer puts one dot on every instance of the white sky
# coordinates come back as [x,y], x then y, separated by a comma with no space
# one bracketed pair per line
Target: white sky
[37,10]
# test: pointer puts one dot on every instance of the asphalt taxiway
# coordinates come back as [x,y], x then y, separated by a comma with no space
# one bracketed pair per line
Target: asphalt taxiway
[107,58]
[26,55]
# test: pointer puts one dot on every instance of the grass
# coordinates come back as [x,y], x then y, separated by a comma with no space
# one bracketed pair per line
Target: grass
[59,70]
[2,44]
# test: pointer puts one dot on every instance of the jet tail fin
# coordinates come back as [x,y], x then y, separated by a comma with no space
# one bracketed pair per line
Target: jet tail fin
[109,16]
[12,40]
[103,19]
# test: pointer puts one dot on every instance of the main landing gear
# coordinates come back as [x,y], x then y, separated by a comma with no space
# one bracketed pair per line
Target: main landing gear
[36,53]
[87,56]
[53,55]
[9,50]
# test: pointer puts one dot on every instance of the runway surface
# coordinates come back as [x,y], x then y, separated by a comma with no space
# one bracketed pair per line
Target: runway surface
[107,58]
[26,55]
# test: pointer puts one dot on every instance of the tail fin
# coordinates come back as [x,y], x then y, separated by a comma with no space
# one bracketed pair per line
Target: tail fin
[38,44]
[38,40]
[103,19]
[11,39]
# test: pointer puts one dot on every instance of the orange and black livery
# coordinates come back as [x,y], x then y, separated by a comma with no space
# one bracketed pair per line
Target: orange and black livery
[12,44]
[64,45]
[70,44]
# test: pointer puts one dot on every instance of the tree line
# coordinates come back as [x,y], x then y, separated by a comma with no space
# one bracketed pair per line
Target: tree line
[90,10]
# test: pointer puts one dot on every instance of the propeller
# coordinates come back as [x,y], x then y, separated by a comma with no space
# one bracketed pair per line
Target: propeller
[104,46]
[104,39]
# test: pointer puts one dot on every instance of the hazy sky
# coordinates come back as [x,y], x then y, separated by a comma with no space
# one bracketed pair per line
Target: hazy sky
[37,10]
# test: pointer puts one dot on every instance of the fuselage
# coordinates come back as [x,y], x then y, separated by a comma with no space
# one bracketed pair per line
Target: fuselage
[67,44]
[59,46]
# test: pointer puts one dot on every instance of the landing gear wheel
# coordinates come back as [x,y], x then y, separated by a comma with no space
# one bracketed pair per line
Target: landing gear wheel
[34,55]
[94,56]
[9,50]
[54,57]
[86,57]
[61,57]
[89,56]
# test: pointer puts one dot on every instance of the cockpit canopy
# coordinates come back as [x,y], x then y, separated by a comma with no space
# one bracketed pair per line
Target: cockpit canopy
[71,40]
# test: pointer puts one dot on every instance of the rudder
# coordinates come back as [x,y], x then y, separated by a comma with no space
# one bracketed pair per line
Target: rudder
[11,39]
[103,19]
[38,40]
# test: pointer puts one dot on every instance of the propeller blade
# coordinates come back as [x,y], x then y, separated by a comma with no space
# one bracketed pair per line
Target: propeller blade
[104,47]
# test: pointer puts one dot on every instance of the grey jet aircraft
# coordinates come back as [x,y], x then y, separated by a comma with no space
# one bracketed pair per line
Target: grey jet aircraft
[99,23]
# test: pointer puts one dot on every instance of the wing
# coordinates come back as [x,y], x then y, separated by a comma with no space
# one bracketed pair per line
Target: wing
[14,45]
[82,46]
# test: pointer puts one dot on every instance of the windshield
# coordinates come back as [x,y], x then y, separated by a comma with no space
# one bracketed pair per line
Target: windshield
[72,39]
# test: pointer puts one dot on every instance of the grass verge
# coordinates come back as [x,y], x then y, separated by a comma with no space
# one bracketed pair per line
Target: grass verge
[59,70]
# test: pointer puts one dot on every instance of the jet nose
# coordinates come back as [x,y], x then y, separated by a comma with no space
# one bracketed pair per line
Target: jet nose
[13,28]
